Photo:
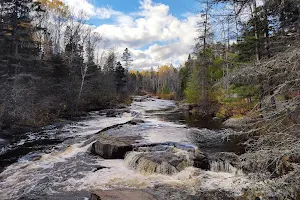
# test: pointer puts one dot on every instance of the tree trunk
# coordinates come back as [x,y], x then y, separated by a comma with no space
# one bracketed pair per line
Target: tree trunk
[254,15]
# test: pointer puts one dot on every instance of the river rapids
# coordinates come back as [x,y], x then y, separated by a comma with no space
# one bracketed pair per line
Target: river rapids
[57,163]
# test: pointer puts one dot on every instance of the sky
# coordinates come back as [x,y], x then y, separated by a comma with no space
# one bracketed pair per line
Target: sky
[156,32]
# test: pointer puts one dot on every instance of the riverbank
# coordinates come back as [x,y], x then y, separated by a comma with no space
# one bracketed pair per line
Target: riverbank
[12,139]
[142,153]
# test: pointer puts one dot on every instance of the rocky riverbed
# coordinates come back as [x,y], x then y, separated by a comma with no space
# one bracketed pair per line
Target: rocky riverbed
[139,152]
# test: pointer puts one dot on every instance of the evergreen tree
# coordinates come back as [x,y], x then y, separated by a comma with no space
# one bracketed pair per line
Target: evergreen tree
[120,77]
[16,27]
[126,58]
[192,92]
[185,73]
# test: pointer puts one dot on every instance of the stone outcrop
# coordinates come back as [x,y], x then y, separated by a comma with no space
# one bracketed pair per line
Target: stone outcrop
[136,121]
[122,194]
[201,161]
[159,159]
[112,147]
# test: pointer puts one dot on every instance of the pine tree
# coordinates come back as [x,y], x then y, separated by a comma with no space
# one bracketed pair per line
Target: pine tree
[120,77]
[192,90]
[204,41]
[16,29]
[126,58]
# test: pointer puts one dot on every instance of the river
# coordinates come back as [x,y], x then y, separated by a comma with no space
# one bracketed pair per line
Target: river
[55,163]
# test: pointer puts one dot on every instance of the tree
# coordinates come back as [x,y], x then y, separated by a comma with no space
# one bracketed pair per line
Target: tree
[192,90]
[110,64]
[92,41]
[57,13]
[185,73]
[120,77]
[16,29]
[201,49]
[126,58]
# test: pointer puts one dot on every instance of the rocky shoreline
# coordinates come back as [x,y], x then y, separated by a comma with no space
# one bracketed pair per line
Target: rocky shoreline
[140,153]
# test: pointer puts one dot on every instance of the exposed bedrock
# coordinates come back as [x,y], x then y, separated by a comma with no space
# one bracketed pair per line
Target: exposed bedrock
[162,162]
[161,192]
[112,147]
[122,194]
[165,158]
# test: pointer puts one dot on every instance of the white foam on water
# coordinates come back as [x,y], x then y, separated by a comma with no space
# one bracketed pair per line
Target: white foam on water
[92,126]
[225,181]
[117,175]
[28,174]
[151,104]
[167,134]
[22,177]
[58,169]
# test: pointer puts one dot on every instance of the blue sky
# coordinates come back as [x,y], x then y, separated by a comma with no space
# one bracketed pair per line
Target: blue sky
[156,32]
[177,7]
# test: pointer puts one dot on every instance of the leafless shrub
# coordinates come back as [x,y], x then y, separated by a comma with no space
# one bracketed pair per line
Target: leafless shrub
[276,151]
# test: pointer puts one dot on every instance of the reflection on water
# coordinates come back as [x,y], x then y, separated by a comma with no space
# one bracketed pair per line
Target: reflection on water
[172,114]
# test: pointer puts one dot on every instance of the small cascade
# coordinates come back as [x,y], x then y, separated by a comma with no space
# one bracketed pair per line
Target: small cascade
[157,162]
[223,166]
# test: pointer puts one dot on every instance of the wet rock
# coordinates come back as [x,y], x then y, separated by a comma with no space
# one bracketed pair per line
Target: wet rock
[141,98]
[164,146]
[122,194]
[201,161]
[217,195]
[152,149]
[99,168]
[163,192]
[31,157]
[3,142]
[113,113]
[162,162]
[222,141]
[136,121]
[230,157]
[121,106]
[112,147]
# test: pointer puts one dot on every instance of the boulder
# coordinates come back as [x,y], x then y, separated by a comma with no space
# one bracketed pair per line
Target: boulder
[162,162]
[122,194]
[201,161]
[112,147]
[136,121]
[225,140]
[231,157]
[225,162]
[140,98]
[113,113]
[163,192]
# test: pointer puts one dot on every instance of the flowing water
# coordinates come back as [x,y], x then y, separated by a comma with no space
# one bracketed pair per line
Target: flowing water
[55,163]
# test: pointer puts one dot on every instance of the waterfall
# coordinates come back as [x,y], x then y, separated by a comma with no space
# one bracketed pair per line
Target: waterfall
[223,166]
[157,162]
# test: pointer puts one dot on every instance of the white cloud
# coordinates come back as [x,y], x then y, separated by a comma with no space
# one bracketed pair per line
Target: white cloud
[168,39]
[79,6]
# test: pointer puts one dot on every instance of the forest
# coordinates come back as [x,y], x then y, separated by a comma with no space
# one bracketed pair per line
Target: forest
[48,65]
[243,71]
